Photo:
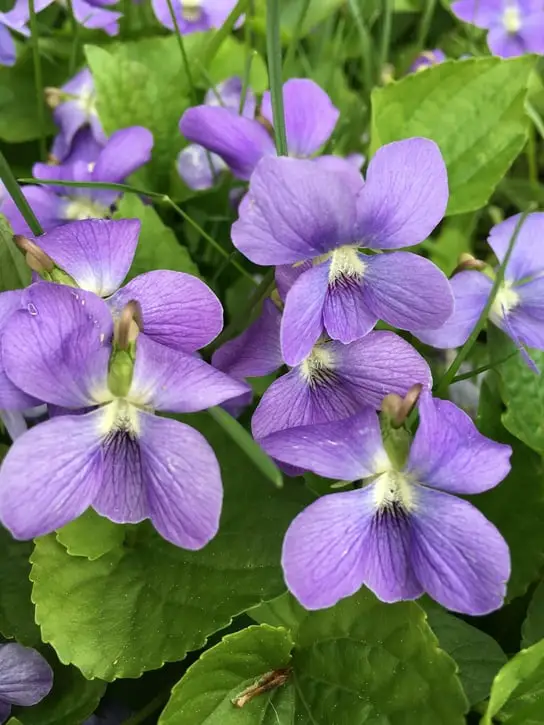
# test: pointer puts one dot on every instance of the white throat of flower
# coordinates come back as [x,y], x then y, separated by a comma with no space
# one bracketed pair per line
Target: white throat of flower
[346,262]
[81,208]
[120,416]
[318,364]
[191,10]
[505,301]
[511,18]
[393,491]
[87,102]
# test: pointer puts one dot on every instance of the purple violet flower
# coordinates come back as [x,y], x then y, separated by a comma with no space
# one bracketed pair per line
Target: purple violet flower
[12,20]
[193,15]
[25,677]
[518,308]
[74,107]
[90,14]
[310,118]
[296,211]
[402,534]
[120,458]
[125,152]
[515,26]
[426,59]
[193,163]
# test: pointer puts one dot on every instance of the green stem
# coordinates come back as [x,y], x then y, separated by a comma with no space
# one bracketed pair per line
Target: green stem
[151,195]
[535,118]
[273,48]
[142,715]
[75,39]
[38,78]
[386,34]
[483,368]
[366,44]
[216,41]
[14,190]
[297,32]
[425,24]
[450,373]
[250,54]
[184,56]
[531,156]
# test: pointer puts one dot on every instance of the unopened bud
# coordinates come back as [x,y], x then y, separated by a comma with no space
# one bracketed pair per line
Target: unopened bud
[36,258]
[397,408]
[52,160]
[53,96]
[129,325]
[468,261]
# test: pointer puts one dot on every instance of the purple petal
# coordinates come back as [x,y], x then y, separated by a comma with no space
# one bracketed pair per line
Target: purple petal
[294,211]
[482,13]
[5,711]
[25,676]
[448,451]
[407,291]
[44,203]
[256,352]
[14,422]
[532,32]
[405,195]
[92,17]
[218,11]
[241,142]
[230,92]
[459,557]
[302,320]
[470,292]
[346,450]
[323,549]
[346,315]
[57,347]
[287,274]
[96,253]
[166,379]
[505,44]
[527,258]
[11,396]
[310,116]
[125,152]
[7,46]
[199,168]
[183,482]
[526,321]
[51,474]
[178,310]
[350,165]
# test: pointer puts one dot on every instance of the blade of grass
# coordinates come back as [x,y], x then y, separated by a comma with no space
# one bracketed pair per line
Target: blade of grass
[38,78]
[425,24]
[14,190]
[244,440]
[273,50]
[445,382]
[483,368]
[385,40]
[366,44]
[75,39]
[151,195]
[297,32]
[250,54]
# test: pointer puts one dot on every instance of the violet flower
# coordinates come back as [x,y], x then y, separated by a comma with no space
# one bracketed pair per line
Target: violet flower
[518,308]
[120,458]
[402,534]
[426,59]
[296,211]
[125,152]
[310,118]
[12,20]
[515,26]
[198,167]
[90,14]
[74,107]
[25,677]
[193,15]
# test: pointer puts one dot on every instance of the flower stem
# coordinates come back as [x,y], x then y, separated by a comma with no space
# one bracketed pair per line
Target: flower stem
[75,40]
[386,34]
[18,197]
[366,44]
[450,373]
[297,32]
[38,78]
[273,48]
[425,24]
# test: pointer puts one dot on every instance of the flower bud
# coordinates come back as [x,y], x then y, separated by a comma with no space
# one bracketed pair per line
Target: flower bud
[35,257]
[468,261]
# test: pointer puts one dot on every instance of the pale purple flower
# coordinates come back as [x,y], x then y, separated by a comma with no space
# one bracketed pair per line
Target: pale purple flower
[11,21]
[120,458]
[296,211]
[76,109]
[310,118]
[125,152]
[515,26]
[90,14]
[198,167]
[426,59]
[402,534]
[193,15]
[25,677]
[518,308]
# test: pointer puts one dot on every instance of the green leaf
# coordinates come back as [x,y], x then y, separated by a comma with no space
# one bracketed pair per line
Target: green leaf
[158,247]
[533,626]
[473,109]
[149,602]
[70,702]
[522,390]
[14,271]
[16,608]
[14,721]
[478,656]
[518,517]
[206,692]
[91,536]
[518,690]
[453,240]
[231,60]
[317,12]
[368,662]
